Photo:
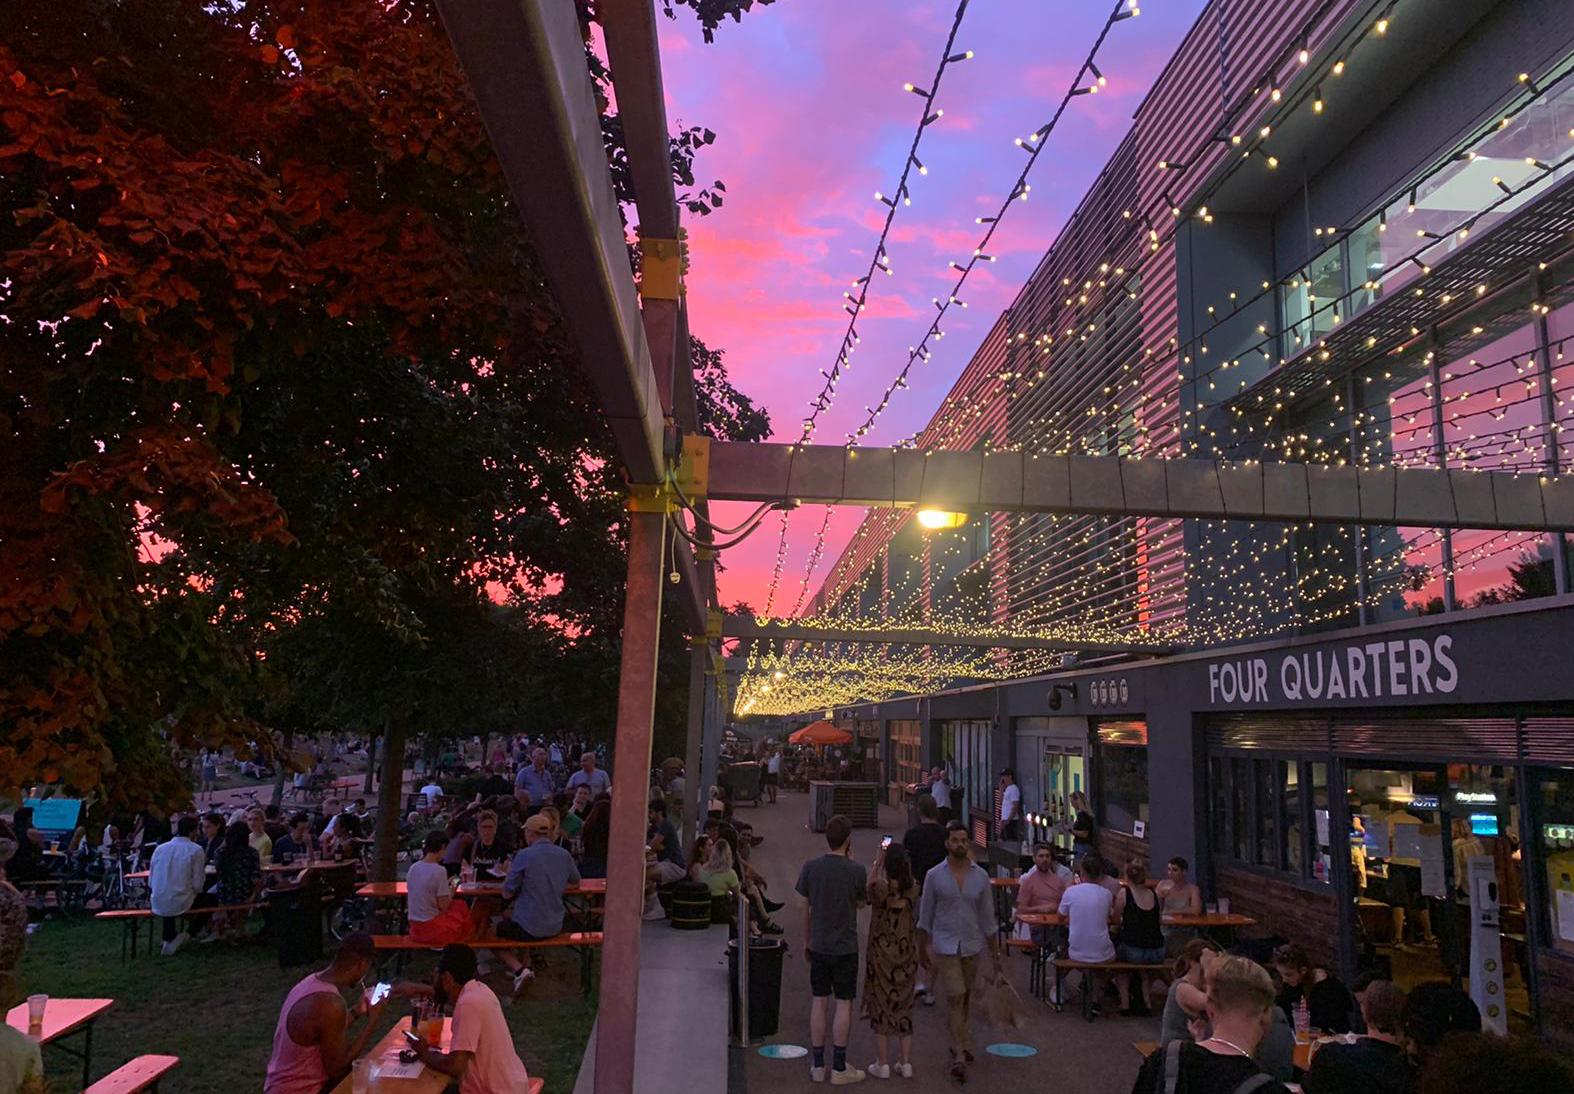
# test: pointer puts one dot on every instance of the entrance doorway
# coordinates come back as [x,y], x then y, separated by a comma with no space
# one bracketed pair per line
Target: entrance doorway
[1413,831]
[1065,774]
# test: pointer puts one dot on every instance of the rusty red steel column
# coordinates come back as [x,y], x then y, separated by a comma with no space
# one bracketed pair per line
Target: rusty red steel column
[625,901]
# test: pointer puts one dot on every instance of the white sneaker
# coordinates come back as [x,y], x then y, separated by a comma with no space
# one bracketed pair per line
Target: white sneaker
[904,1070]
[879,1070]
[817,1074]
[523,977]
[846,1076]
[178,941]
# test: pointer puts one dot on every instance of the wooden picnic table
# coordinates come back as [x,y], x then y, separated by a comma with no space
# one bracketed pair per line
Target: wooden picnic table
[386,1052]
[1169,919]
[315,864]
[62,1018]
[393,890]
[143,875]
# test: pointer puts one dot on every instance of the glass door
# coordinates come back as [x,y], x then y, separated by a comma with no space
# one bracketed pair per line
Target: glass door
[1065,773]
[1399,867]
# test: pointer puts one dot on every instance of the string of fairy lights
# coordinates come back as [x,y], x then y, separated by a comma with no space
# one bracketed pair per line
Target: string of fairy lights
[1093,587]
[1087,81]
[1034,145]
[854,303]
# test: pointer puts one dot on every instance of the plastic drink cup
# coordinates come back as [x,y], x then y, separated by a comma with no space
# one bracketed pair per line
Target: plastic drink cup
[35,1010]
[432,1031]
[362,1072]
[1224,905]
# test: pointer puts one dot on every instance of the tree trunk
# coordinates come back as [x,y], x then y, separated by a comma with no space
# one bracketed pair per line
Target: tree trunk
[278,768]
[386,849]
[371,758]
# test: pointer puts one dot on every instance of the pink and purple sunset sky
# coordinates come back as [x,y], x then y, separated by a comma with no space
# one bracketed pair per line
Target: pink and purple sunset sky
[806,99]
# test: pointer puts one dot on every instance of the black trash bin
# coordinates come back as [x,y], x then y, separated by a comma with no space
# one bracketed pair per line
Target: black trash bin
[297,922]
[765,985]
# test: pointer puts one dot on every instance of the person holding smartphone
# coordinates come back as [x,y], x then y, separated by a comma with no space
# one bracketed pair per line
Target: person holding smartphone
[481,1054]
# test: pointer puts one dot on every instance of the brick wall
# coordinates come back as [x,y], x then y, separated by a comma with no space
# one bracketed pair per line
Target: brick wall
[1119,848]
[1556,974]
[1283,909]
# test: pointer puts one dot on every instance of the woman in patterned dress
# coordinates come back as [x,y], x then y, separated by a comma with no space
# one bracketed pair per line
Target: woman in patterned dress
[893,959]
[13,927]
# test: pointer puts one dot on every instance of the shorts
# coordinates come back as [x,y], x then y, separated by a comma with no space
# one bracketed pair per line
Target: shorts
[667,872]
[1404,886]
[515,933]
[768,779]
[1140,955]
[833,973]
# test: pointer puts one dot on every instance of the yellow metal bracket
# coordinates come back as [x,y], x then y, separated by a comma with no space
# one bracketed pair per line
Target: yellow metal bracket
[649,499]
[712,625]
[693,471]
[661,269]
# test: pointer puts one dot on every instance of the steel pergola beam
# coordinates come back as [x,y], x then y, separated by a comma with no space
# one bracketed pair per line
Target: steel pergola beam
[794,631]
[1017,482]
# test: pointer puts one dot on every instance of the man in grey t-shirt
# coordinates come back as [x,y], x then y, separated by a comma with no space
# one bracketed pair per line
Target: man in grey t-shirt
[833,885]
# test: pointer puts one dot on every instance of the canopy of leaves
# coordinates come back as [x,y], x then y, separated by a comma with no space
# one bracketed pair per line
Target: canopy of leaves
[287,407]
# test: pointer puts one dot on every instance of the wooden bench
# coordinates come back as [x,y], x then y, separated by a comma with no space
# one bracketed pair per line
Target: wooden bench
[132,919]
[1064,965]
[586,942]
[142,1073]
[1039,955]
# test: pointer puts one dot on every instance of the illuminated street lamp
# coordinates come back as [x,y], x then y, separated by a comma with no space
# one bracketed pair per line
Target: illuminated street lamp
[936,519]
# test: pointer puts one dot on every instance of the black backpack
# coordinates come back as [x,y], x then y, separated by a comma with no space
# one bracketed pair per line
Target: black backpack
[1170,1075]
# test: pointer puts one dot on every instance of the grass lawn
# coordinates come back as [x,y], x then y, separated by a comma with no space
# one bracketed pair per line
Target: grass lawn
[215,1007]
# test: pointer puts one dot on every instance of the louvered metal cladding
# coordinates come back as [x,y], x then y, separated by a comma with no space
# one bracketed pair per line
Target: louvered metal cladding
[1475,739]
[1549,740]
[1270,734]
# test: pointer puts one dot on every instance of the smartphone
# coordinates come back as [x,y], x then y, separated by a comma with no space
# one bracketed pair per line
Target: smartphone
[378,993]
[415,1042]
[885,843]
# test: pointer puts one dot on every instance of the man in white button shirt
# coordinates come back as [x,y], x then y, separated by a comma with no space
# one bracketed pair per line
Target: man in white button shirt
[176,877]
[1010,807]
[481,1052]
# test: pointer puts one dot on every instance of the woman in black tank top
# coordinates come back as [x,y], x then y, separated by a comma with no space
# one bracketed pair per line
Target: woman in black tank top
[1141,936]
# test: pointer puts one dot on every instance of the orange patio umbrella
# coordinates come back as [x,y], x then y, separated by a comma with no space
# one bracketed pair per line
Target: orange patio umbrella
[820,733]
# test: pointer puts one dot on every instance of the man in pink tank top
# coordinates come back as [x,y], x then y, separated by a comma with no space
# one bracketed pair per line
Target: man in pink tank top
[312,1048]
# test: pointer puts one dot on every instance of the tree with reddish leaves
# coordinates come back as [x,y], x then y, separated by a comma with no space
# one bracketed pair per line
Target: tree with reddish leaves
[279,374]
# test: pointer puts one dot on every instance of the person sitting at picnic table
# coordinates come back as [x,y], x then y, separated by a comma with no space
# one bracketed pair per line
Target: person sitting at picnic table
[570,823]
[21,1062]
[536,879]
[662,838]
[594,838]
[1374,1063]
[1240,999]
[590,775]
[296,844]
[481,1054]
[257,834]
[212,835]
[1089,909]
[1141,940]
[456,852]
[436,917]
[490,851]
[176,880]
[1186,1002]
[1329,1003]
[239,871]
[431,791]
[1039,892]
[312,1048]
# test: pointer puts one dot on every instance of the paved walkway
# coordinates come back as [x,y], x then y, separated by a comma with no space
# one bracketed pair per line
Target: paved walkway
[682,992]
[1073,1055]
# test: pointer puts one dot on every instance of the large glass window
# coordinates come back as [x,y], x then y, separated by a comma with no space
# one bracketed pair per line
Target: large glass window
[906,754]
[1270,813]
[1123,777]
[1554,790]
[1509,163]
